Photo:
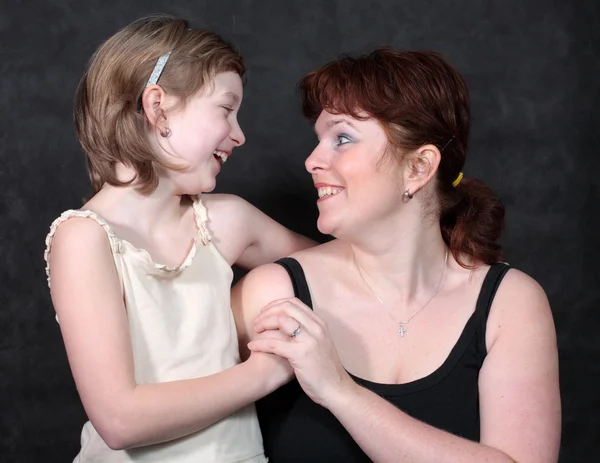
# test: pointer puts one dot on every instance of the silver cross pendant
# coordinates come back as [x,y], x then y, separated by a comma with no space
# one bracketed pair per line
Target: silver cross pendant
[402,330]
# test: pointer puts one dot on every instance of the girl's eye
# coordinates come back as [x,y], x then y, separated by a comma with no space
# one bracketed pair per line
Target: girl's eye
[228,109]
[342,139]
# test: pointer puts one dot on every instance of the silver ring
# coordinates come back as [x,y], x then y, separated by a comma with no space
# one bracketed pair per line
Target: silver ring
[295,333]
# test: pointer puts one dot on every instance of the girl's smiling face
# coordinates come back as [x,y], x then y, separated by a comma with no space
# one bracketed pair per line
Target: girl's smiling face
[204,133]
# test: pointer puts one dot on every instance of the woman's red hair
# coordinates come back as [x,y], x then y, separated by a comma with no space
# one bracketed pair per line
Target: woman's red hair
[419,99]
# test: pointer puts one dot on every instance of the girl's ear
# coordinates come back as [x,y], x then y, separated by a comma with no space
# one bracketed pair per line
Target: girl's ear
[153,103]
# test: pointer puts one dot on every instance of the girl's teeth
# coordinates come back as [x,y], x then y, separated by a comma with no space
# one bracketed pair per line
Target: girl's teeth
[222,156]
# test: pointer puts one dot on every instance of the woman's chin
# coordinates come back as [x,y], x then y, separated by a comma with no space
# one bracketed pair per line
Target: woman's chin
[325,226]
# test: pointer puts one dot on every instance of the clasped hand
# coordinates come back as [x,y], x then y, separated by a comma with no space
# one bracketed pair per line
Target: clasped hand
[311,352]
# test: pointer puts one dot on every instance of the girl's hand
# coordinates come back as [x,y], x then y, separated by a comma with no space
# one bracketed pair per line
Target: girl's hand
[276,370]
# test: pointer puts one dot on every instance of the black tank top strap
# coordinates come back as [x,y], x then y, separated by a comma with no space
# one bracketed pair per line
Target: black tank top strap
[490,285]
[296,273]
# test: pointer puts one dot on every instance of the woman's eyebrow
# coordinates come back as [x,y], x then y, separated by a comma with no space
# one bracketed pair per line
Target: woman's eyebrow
[333,122]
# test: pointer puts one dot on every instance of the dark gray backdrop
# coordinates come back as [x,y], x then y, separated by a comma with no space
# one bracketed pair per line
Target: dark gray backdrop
[532,68]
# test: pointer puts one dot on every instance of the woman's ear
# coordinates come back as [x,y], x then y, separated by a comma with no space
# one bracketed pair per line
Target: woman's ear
[153,103]
[421,167]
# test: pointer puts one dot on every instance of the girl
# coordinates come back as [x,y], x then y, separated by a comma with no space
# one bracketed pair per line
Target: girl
[140,275]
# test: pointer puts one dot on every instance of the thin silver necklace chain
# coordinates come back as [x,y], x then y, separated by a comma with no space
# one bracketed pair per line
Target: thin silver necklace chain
[402,325]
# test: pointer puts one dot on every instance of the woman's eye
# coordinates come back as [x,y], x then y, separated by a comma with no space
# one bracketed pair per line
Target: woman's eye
[342,139]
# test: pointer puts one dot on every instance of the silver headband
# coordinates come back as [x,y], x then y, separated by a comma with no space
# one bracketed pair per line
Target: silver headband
[158,69]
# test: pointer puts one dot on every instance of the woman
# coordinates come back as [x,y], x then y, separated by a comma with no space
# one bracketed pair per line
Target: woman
[411,341]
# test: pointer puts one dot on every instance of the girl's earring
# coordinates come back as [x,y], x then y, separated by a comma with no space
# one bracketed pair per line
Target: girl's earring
[166,133]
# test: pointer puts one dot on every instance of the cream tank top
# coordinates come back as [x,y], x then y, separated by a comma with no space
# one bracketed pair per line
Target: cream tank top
[181,327]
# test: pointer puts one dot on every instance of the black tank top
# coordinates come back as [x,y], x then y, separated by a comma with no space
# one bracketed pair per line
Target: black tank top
[295,429]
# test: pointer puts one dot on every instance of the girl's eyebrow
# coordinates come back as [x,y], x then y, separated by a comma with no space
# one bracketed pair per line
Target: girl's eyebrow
[236,98]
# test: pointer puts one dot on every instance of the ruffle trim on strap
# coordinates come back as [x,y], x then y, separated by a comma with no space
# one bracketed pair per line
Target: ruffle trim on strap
[119,245]
[115,243]
[201,215]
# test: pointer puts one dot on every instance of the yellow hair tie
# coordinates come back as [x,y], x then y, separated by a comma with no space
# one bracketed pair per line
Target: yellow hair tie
[458,179]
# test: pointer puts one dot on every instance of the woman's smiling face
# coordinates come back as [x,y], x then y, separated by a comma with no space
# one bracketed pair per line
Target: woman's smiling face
[356,187]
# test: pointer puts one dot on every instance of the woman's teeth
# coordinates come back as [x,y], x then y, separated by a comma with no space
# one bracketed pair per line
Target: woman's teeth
[328,191]
[221,156]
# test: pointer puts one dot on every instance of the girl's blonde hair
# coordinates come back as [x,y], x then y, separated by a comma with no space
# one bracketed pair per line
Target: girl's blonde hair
[110,122]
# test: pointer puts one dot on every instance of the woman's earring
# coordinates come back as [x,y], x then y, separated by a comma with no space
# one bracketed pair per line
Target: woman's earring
[166,133]
[407,195]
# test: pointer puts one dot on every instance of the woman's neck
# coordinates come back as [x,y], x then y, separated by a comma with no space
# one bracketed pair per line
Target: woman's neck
[402,265]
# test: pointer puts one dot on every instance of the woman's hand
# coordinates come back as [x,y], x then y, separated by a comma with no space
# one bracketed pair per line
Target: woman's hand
[306,344]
